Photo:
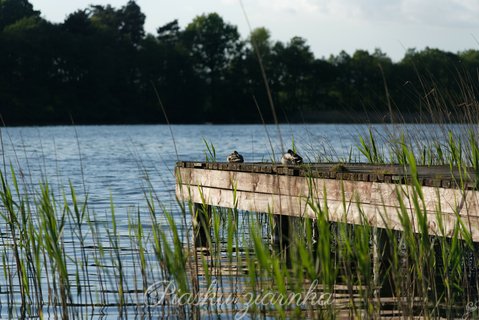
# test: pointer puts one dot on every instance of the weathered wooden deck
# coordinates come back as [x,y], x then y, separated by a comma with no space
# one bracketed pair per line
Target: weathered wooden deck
[352,193]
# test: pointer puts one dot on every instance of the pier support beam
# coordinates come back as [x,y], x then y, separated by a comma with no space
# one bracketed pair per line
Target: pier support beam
[201,224]
[280,231]
[382,263]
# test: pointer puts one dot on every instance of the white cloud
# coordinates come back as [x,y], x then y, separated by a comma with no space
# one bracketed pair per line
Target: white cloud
[290,7]
[443,13]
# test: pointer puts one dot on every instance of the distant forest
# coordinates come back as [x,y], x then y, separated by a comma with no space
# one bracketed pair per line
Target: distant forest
[100,67]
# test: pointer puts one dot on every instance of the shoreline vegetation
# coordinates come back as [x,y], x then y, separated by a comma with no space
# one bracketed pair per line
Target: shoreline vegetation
[100,67]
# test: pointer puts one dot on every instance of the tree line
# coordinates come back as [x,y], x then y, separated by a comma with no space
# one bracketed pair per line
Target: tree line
[99,67]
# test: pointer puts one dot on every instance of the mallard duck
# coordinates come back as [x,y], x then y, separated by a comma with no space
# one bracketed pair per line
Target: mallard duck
[235,157]
[291,157]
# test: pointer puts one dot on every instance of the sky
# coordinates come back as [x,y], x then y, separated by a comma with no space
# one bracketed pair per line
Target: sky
[329,26]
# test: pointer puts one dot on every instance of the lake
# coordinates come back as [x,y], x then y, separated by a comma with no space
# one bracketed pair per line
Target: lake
[113,161]
[117,168]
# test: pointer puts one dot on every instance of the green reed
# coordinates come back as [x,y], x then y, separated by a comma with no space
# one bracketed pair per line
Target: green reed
[210,153]
[369,149]
[137,235]
[428,275]
[309,259]
[77,214]
[52,225]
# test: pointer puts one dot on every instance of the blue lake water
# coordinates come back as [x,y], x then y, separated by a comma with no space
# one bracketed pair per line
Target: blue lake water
[125,164]
[121,160]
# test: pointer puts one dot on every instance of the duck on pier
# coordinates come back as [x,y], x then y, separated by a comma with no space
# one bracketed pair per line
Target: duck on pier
[235,157]
[290,158]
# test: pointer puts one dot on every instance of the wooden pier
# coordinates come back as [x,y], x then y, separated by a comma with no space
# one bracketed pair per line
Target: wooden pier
[352,193]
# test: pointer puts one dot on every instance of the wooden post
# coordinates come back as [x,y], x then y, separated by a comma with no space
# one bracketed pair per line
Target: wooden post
[472,264]
[280,232]
[470,268]
[382,263]
[201,224]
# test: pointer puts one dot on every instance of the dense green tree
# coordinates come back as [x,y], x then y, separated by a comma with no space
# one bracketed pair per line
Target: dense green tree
[438,64]
[361,80]
[165,66]
[260,41]
[99,66]
[78,22]
[470,57]
[106,18]
[212,45]
[256,72]
[14,10]
[30,68]
[170,32]
[292,73]
[132,22]
[435,75]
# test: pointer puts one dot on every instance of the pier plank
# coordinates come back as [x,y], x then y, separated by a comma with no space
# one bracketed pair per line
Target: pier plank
[349,197]
[382,216]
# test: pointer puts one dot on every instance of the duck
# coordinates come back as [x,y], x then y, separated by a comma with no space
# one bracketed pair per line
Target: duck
[235,157]
[290,157]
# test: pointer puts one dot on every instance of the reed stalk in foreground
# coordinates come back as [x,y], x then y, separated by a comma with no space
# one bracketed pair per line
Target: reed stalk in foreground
[61,256]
